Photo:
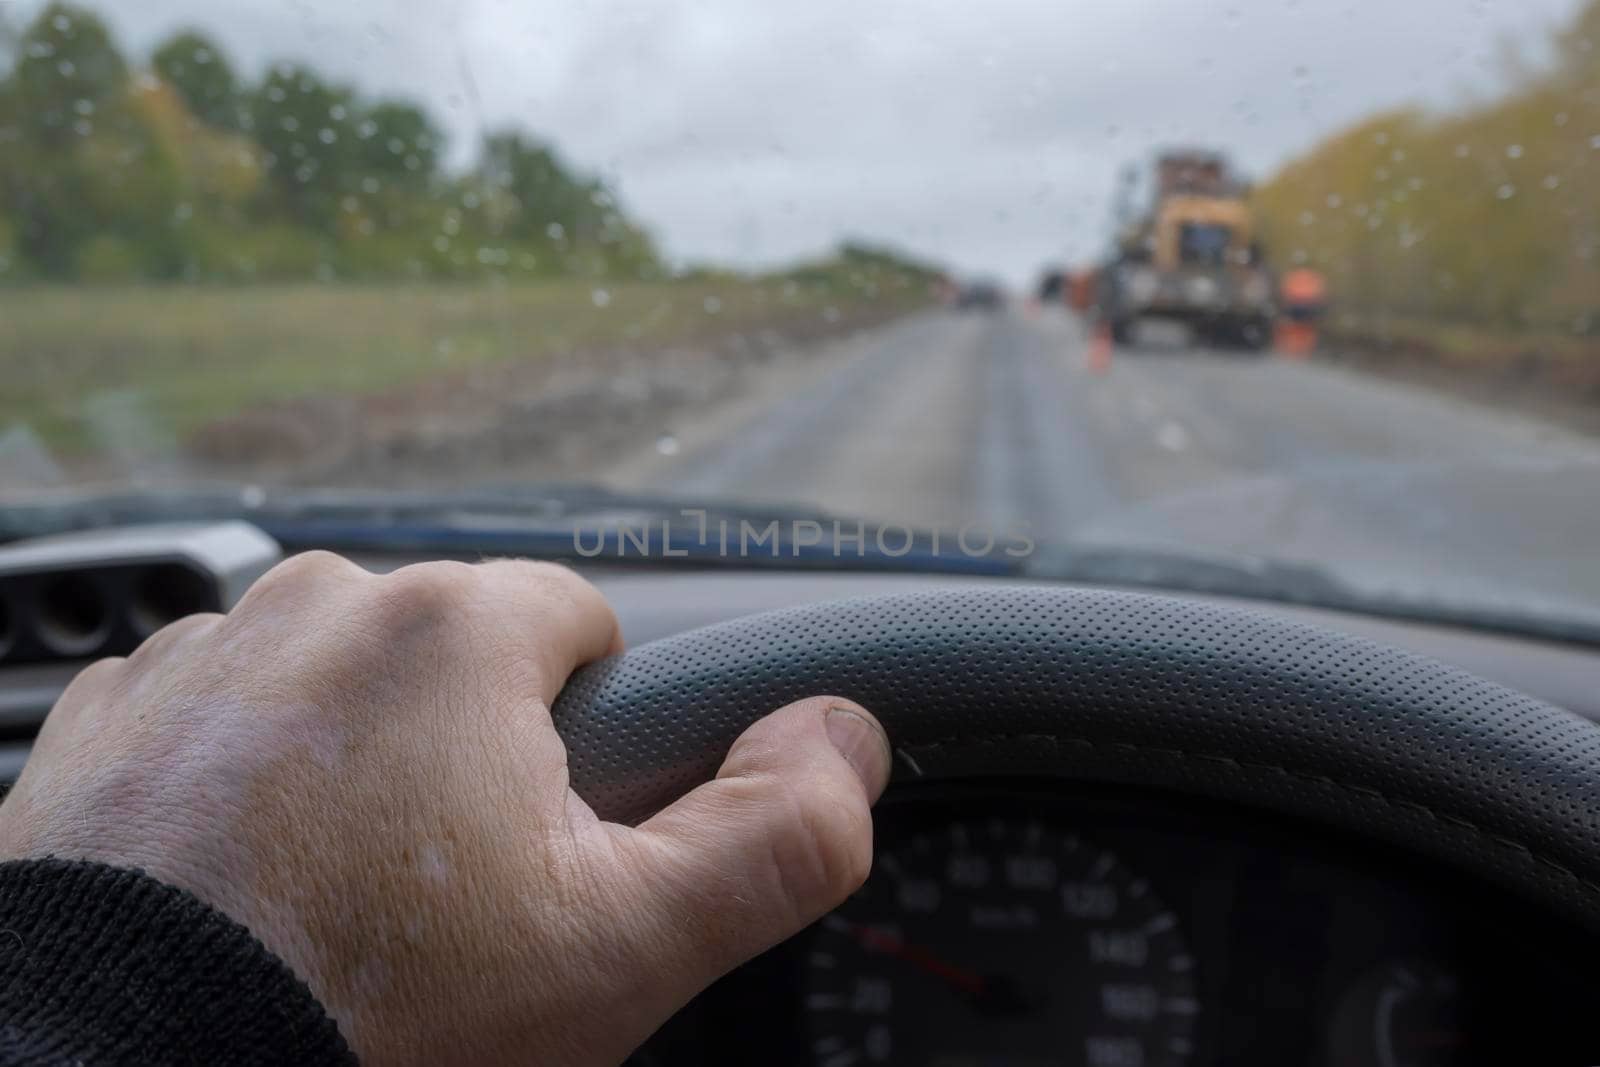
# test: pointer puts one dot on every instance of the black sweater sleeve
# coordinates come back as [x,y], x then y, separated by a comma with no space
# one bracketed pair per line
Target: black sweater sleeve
[106,966]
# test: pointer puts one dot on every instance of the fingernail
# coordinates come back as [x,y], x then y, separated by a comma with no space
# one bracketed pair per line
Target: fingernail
[863,744]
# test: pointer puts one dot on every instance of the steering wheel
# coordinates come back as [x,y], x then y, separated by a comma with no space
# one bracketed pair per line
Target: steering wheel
[1132,690]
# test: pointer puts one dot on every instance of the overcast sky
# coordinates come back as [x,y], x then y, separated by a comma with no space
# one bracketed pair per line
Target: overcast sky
[984,133]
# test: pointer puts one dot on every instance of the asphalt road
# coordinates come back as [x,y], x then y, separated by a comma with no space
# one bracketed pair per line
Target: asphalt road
[951,418]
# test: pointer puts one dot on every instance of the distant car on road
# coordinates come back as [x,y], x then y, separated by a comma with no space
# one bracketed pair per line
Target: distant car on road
[1052,286]
[981,296]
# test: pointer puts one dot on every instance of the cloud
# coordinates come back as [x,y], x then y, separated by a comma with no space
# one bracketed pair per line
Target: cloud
[987,135]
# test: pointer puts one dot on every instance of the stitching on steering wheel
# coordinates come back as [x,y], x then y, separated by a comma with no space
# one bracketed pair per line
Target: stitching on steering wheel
[1364,791]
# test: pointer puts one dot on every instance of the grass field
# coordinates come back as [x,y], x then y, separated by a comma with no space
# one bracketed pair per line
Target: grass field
[183,356]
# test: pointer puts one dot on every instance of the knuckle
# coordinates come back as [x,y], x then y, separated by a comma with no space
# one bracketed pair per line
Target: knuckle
[423,596]
[174,633]
[100,674]
[429,584]
[308,568]
[554,581]
[821,851]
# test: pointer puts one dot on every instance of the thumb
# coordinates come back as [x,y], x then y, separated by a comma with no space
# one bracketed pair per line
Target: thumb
[780,838]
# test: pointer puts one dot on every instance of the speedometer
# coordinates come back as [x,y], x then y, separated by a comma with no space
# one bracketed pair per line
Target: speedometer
[1000,942]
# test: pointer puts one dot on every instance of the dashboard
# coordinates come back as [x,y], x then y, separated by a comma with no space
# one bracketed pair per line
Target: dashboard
[1025,925]
[1027,922]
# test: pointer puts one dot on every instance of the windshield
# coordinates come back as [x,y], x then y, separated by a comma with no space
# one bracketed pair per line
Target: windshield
[894,263]
[1204,244]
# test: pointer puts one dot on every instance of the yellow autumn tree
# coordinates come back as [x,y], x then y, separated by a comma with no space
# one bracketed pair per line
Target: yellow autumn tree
[1486,215]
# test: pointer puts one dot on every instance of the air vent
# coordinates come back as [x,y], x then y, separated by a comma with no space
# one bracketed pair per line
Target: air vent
[8,626]
[74,598]
[166,592]
[72,614]
[100,593]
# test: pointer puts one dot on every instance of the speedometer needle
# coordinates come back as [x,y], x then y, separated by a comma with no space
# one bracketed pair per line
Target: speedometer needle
[876,940]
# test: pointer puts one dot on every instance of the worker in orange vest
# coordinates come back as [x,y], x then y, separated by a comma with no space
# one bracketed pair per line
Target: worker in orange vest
[1302,298]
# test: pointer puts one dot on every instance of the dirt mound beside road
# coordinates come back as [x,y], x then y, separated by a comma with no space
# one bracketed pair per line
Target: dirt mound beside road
[533,420]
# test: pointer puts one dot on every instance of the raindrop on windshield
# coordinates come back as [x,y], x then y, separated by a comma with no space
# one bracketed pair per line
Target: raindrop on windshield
[667,445]
[600,298]
[712,305]
[1513,151]
[1551,181]
[1506,191]
[327,136]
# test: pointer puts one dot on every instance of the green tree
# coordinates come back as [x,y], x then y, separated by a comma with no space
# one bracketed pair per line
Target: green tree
[1487,215]
[80,165]
[307,130]
[548,202]
[193,65]
[67,69]
[182,172]
[399,144]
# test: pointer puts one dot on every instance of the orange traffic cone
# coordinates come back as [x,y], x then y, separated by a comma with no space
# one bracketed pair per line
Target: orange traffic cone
[1099,351]
[1295,340]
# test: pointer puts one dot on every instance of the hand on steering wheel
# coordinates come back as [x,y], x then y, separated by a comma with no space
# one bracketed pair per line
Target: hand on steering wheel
[363,771]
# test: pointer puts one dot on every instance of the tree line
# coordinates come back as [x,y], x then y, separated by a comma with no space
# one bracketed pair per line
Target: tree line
[1488,215]
[178,167]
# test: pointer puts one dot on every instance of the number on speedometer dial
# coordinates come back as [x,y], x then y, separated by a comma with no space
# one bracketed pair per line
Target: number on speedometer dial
[1000,942]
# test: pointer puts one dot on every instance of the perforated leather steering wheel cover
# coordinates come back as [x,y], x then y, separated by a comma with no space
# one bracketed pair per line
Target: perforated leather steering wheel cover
[1127,689]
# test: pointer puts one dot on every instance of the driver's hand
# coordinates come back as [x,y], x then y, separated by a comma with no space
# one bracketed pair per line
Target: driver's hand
[363,771]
